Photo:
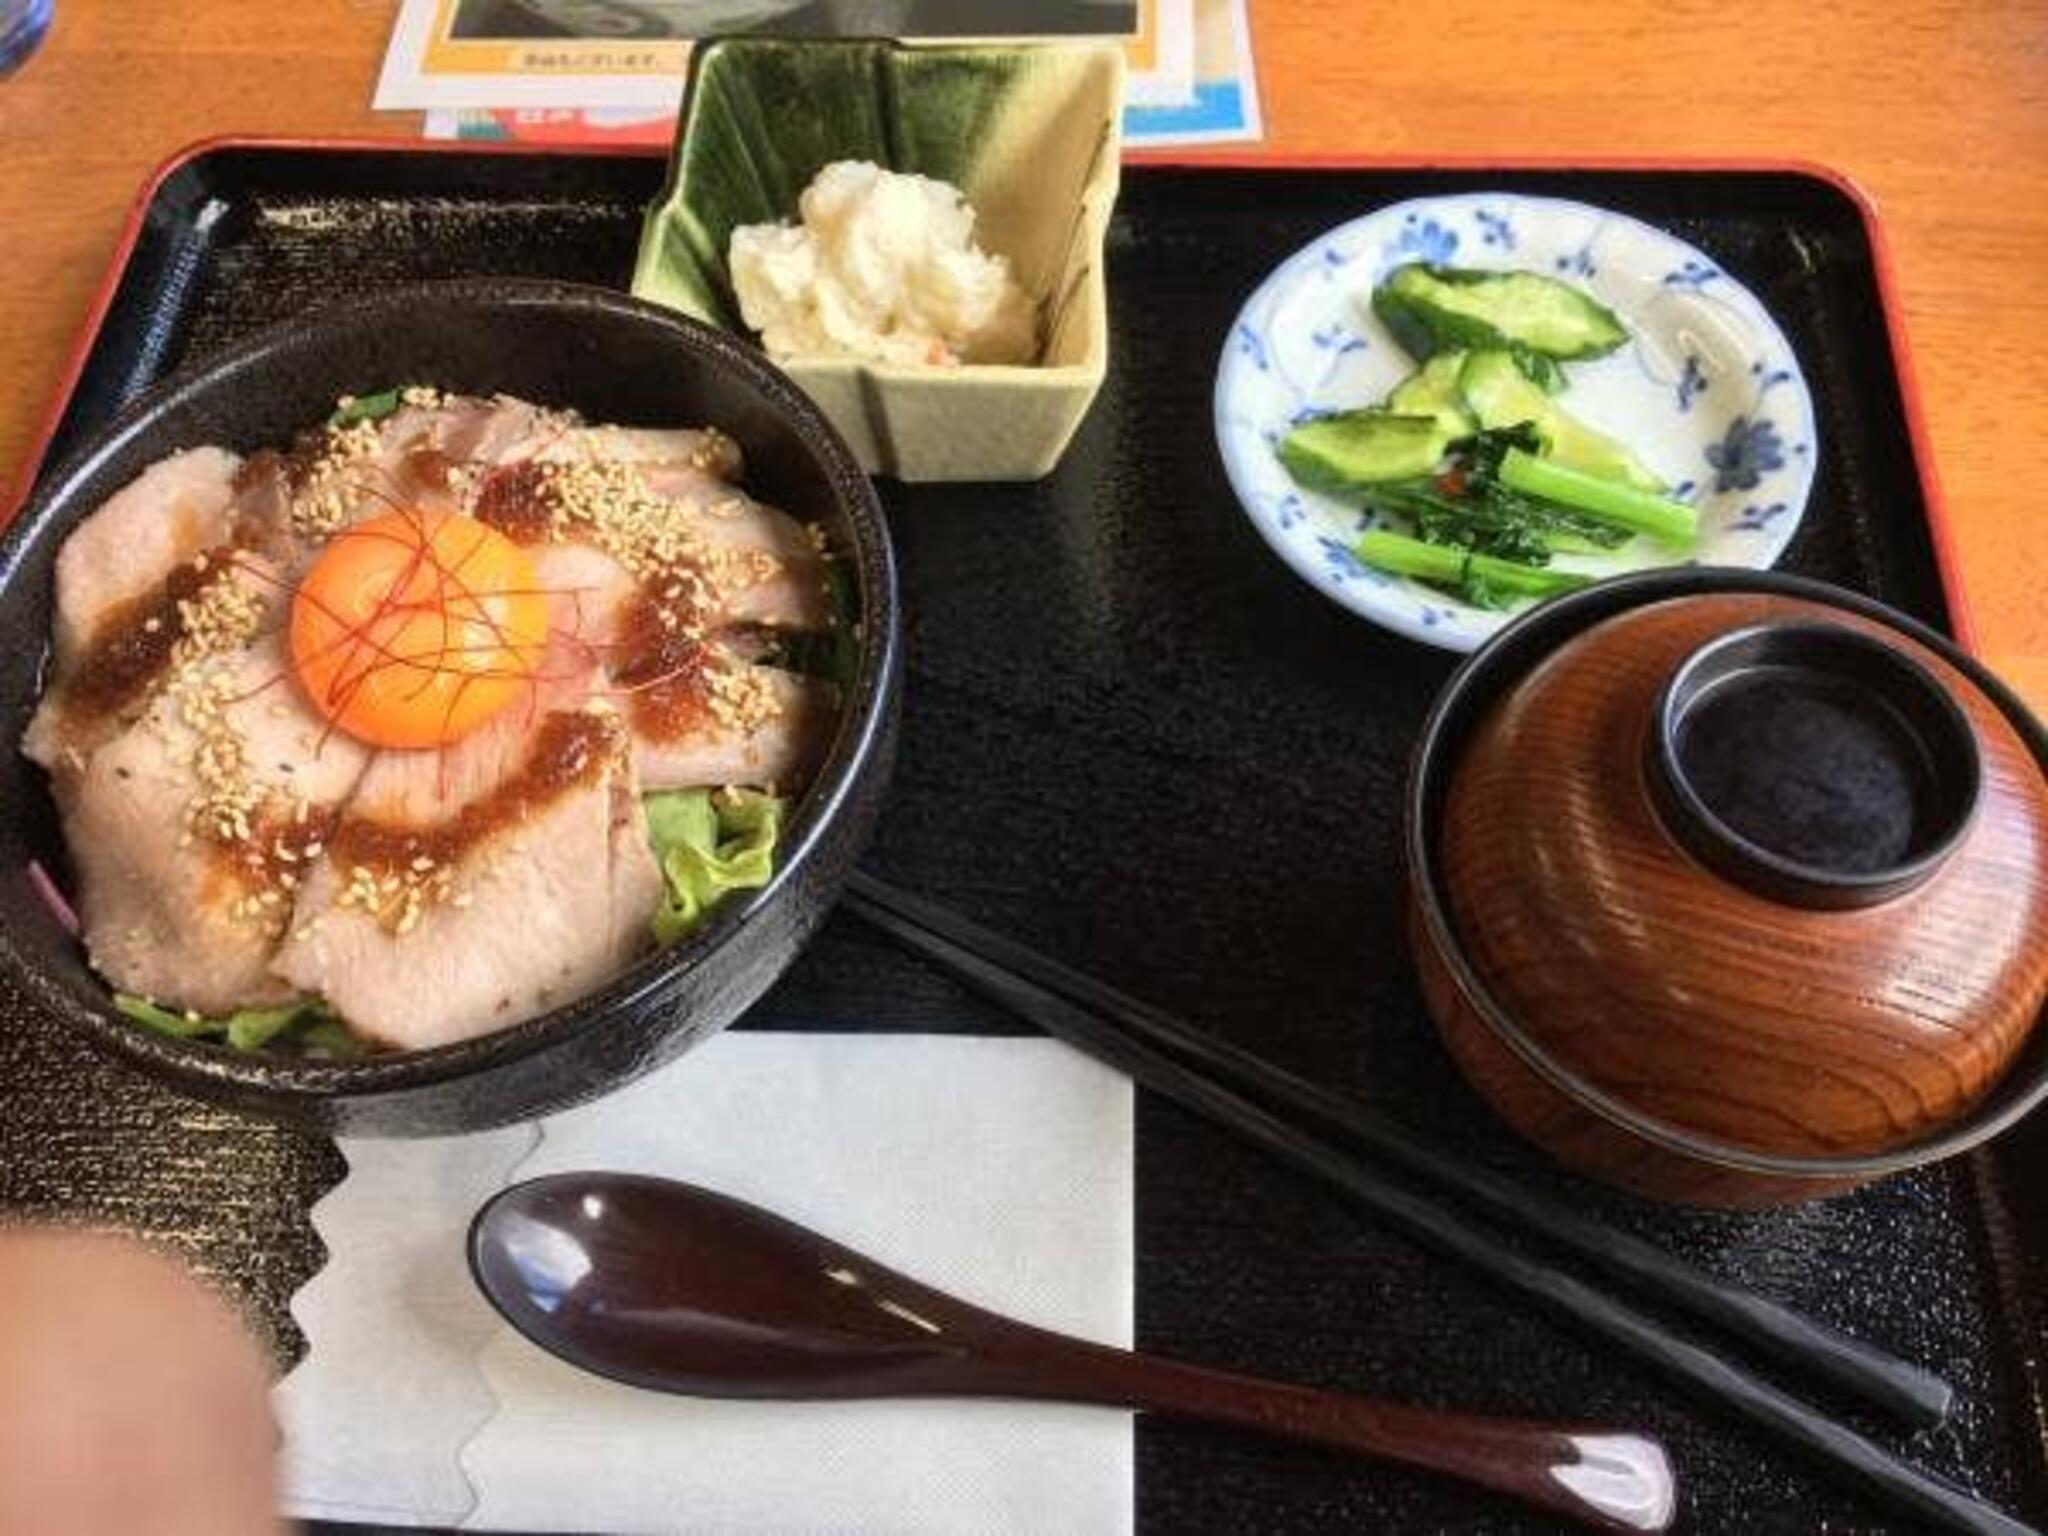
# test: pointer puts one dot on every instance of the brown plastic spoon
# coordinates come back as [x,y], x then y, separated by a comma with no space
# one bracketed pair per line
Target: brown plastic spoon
[668,1286]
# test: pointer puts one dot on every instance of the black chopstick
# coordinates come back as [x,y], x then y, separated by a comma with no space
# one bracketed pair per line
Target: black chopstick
[1737,1389]
[1916,1397]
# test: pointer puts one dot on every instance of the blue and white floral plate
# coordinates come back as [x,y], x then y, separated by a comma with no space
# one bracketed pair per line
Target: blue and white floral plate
[1707,393]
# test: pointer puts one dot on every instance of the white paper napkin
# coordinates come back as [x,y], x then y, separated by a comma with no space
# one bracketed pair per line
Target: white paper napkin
[997,1169]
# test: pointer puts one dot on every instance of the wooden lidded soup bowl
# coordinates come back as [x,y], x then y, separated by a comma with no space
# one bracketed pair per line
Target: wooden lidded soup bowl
[1732,888]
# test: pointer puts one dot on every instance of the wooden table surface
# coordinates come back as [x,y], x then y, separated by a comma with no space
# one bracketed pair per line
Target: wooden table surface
[1939,111]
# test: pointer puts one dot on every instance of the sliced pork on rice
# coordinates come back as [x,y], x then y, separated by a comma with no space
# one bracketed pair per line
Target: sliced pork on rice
[235,846]
[467,888]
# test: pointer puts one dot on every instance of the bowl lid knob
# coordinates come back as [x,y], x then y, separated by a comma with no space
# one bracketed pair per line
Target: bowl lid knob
[1812,763]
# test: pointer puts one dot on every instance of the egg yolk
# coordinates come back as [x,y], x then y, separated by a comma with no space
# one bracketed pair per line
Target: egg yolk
[414,628]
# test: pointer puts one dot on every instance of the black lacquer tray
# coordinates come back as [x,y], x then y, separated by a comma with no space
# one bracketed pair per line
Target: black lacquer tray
[1136,741]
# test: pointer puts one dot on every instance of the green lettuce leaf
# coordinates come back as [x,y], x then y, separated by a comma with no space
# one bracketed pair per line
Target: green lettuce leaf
[324,1037]
[306,1025]
[368,407]
[251,1029]
[165,1021]
[708,842]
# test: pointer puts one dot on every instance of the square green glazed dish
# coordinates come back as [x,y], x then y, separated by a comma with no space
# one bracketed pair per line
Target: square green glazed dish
[1031,135]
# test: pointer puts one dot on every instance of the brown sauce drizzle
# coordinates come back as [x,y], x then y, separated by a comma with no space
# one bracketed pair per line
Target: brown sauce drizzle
[665,672]
[279,844]
[570,748]
[259,469]
[430,468]
[132,646]
[311,448]
[294,466]
[515,499]
[308,450]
